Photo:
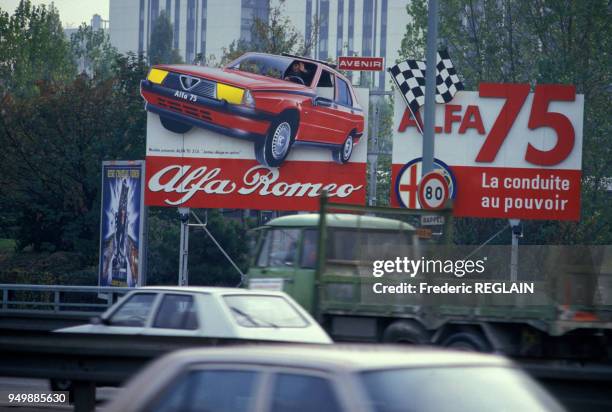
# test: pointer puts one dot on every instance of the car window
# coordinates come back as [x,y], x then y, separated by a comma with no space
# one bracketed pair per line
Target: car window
[344,93]
[419,389]
[277,67]
[279,248]
[134,311]
[210,390]
[176,312]
[309,249]
[325,86]
[303,393]
[261,311]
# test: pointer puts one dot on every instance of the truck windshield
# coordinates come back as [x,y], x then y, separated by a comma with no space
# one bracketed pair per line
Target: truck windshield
[279,248]
[264,311]
[455,389]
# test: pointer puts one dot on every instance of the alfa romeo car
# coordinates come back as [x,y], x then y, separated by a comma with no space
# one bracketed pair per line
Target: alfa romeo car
[275,101]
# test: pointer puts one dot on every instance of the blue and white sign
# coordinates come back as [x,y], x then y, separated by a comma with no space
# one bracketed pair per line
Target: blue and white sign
[122,223]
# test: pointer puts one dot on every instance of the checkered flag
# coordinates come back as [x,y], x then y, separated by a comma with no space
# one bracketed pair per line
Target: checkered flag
[409,76]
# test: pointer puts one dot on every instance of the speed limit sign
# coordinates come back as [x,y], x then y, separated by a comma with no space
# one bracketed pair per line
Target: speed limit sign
[433,191]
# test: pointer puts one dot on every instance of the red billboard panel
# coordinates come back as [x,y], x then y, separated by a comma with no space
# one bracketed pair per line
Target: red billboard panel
[266,132]
[506,152]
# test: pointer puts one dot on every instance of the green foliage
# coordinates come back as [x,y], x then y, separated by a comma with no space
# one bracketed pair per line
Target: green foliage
[93,49]
[32,48]
[54,143]
[543,41]
[413,43]
[275,36]
[381,111]
[207,265]
[160,49]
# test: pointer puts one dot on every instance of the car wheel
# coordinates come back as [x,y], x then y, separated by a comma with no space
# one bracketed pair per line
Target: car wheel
[344,152]
[406,332]
[174,126]
[467,341]
[273,151]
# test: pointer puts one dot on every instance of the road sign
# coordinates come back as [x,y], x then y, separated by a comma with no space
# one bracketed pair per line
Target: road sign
[354,63]
[432,220]
[424,233]
[407,182]
[433,191]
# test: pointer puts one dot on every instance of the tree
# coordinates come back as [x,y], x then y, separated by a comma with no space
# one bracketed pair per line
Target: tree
[54,143]
[94,49]
[32,48]
[543,41]
[160,48]
[275,36]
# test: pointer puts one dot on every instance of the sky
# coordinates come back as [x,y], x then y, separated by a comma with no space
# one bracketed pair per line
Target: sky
[72,12]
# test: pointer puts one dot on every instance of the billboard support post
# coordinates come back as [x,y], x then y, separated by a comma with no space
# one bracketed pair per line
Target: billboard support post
[183,279]
[515,224]
[430,87]
[373,153]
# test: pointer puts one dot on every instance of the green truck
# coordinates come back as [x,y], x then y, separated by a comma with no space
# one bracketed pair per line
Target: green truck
[327,266]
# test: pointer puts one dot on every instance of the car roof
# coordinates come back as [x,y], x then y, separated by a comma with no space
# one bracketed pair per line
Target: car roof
[353,358]
[342,220]
[213,290]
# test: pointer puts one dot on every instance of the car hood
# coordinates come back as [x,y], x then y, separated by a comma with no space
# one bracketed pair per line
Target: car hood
[87,328]
[310,334]
[234,77]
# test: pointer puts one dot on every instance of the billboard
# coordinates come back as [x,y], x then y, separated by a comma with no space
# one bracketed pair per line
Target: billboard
[505,151]
[122,224]
[274,140]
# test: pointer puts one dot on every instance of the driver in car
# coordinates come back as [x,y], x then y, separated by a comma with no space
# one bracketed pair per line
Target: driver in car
[298,70]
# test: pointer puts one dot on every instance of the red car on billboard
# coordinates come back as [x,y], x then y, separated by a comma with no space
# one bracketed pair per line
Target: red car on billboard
[275,101]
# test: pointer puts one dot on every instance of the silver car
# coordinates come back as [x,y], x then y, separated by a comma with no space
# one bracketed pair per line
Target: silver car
[331,378]
[208,312]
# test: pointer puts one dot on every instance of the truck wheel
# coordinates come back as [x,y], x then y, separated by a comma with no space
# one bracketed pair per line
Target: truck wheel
[406,331]
[344,152]
[273,151]
[174,126]
[467,341]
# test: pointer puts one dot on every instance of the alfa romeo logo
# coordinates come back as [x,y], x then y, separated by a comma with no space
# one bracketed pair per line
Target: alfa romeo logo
[189,82]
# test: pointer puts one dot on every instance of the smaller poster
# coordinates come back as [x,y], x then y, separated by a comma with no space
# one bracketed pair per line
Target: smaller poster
[122,224]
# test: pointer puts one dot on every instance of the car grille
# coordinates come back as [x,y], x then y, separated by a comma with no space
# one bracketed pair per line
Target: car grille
[181,107]
[204,88]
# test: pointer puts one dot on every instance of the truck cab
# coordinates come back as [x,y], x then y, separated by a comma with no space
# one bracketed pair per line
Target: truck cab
[288,254]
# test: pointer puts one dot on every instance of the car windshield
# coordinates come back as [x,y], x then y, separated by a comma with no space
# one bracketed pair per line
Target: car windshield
[270,66]
[264,311]
[455,389]
[277,67]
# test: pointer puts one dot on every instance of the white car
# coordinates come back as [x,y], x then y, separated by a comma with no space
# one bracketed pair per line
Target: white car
[208,312]
[331,378]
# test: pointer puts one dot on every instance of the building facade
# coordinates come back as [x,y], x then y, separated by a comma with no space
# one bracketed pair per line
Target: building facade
[205,27]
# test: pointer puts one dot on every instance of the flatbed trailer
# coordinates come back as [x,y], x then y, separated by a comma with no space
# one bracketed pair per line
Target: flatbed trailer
[568,317]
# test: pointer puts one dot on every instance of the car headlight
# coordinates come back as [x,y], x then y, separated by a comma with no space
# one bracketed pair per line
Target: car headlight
[229,93]
[157,76]
[248,99]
